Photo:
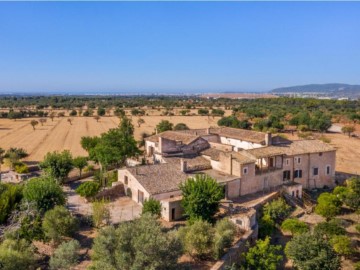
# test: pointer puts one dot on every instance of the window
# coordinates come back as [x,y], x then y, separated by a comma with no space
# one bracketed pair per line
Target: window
[315,171]
[328,169]
[298,160]
[320,154]
[126,180]
[245,170]
[287,162]
[239,222]
[286,175]
[298,174]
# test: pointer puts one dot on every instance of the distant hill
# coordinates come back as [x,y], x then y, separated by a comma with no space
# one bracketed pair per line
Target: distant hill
[340,89]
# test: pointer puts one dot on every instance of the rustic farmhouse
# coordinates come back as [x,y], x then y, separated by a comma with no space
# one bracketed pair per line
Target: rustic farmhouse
[243,161]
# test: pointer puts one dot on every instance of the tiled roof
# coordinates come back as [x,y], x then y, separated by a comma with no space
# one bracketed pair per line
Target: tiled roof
[243,158]
[193,164]
[242,134]
[213,153]
[173,135]
[159,178]
[291,148]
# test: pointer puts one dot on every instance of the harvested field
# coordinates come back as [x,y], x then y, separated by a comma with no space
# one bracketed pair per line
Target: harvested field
[59,134]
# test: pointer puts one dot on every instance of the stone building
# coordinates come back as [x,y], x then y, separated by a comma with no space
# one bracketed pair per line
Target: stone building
[243,161]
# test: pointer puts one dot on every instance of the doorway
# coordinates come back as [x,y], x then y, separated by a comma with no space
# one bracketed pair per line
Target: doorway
[172,213]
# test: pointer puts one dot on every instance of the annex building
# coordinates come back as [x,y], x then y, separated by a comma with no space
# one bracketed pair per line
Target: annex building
[243,161]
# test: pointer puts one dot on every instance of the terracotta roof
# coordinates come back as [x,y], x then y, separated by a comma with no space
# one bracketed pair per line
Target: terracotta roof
[173,135]
[193,164]
[159,178]
[242,134]
[307,146]
[243,158]
[213,153]
[291,148]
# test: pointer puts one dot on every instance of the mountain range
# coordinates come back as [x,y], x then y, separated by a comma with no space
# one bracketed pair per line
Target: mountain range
[331,89]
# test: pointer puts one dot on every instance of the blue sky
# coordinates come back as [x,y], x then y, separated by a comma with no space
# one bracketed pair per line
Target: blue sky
[179,46]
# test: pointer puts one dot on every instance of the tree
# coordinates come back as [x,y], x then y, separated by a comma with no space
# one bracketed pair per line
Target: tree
[88,189]
[328,205]
[88,143]
[58,222]
[329,229]
[152,206]
[201,197]
[42,121]
[52,116]
[181,126]
[217,112]
[65,256]
[140,121]
[57,165]
[348,130]
[101,111]
[263,256]
[14,155]
[115,146]
[101,213]
[45,193]
[203,111]
[34,123]
[342,245]
[2,156]
[80,163]
[232,121]
[225,231]
[197,239]
[119,112]
[164,125]
[266,226]
[277,209]
[311,252]
[294,226]
[138,244]
[97,118]
[16,255]
[73,113]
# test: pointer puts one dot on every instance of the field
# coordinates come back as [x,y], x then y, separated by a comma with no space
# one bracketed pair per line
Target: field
[59,134]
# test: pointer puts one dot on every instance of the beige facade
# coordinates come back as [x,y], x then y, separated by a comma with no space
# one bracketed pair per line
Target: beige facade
[244,165]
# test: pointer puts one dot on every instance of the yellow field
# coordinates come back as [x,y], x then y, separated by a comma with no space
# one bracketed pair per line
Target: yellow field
[58,135]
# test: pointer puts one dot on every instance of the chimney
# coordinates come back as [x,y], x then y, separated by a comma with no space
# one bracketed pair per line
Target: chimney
[268,139]
[183,165]
[208,131]
[160,144]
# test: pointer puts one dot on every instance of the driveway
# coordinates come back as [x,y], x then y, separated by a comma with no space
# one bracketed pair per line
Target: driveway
[121,209]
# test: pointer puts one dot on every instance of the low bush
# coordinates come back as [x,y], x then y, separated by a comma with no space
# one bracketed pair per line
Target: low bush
[152,206]
[21,168]
[225,232]
[65,256]
[294,226]
[88,189]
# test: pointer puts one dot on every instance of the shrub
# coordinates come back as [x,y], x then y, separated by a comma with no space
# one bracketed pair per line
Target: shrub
[181,126]
[197,238]
[88,189]
[21,168]
[263,256]
[10,197]
[101,213]
[58,223]
[294,226]
[329,229]
[329,205]
[311,252]
[277,209]
[225,232]
[342,245]
[138,244]
[16,255]
[65,256]
[357,227]
[357,266]
[152,206]
[44,192]
[266,226]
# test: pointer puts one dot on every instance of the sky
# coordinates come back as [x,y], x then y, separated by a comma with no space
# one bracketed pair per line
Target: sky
[184,47]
